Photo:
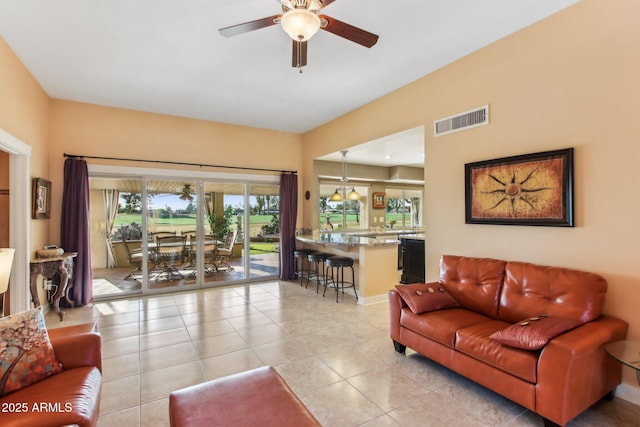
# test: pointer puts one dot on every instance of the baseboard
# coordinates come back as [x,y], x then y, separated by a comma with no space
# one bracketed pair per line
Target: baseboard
[628,393]
[372,300]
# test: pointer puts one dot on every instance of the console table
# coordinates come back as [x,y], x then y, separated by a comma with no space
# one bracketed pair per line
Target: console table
[48,267]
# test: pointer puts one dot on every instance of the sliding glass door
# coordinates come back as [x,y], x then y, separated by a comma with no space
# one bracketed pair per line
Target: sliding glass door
[263,231]
[152,234]
[116,235]
[171,238]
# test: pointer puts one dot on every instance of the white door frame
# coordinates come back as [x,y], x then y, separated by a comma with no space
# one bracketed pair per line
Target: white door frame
[19,218]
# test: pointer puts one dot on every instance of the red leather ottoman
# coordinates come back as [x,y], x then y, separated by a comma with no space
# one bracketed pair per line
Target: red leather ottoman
[259,397]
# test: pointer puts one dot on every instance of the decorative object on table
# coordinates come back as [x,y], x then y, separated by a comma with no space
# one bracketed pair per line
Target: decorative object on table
[41,193]
[6,259]
[301,20]
[531,189]
[379,201]
[51,251]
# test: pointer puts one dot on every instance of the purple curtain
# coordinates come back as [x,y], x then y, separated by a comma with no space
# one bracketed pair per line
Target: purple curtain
[288,214]
[74,227]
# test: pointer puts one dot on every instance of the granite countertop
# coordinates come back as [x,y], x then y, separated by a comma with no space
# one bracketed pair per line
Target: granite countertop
[417,236]
[341,239]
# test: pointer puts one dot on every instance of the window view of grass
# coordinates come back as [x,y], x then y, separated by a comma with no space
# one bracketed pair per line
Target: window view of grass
[188,221]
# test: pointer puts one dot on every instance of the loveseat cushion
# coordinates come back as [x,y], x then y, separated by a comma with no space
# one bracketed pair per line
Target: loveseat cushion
[474,282]
[530,290]
[26,354]
[533,333]
[70,397]
[424,297]
[440,325]
[474,341]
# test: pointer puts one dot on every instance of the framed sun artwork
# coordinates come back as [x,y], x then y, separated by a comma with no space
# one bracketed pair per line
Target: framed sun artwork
[530,189]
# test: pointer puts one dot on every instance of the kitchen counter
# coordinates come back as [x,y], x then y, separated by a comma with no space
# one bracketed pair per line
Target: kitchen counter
[341,239]
[375,256]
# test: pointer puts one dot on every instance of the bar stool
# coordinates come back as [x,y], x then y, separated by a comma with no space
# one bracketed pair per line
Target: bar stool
[318,272]
[339,263]
[302,255]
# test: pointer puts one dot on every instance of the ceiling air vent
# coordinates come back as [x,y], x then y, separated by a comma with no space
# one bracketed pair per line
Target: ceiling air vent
[469,119]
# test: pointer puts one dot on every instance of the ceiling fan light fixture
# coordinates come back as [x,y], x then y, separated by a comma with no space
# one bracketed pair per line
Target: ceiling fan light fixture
[300,24]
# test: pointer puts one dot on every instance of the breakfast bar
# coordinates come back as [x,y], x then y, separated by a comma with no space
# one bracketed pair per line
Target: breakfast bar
[375,259]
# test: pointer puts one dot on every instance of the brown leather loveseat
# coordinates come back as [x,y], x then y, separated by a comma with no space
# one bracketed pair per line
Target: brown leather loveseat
[71,397]
[518,302]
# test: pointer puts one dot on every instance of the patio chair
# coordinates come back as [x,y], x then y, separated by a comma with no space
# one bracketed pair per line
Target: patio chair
[153,236]
[191,248]
[169,254]
[134,256]
[225,251]
[210,254]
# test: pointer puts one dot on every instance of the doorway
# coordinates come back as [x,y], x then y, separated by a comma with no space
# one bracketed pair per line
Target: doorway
[19,215]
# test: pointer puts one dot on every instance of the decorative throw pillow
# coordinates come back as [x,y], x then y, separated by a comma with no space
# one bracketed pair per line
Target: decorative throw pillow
[26,355]
[424,297]
[534,333]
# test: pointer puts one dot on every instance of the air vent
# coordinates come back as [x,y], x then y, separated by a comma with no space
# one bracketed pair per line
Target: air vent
[468,119]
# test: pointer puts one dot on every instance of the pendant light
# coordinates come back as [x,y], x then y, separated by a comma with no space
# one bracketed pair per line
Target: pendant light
[353,194]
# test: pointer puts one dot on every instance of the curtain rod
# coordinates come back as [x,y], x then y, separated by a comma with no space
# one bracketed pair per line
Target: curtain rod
[166,162]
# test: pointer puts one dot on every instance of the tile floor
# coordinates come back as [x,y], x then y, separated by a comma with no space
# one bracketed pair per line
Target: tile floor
[337,357]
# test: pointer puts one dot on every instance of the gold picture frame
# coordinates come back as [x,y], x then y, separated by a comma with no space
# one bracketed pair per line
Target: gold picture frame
[379,201]
[41,194]
[531,189]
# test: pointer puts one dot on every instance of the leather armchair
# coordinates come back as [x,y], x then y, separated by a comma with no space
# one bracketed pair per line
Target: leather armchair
[68,398]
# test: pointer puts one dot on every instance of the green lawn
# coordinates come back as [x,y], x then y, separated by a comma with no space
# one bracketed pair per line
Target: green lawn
[127,219]
[263,247]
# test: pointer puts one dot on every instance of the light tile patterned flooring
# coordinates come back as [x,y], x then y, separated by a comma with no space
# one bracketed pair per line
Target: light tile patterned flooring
[337,357]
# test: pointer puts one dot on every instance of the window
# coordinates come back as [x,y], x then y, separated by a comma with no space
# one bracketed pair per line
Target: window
[352,214]
[404,207]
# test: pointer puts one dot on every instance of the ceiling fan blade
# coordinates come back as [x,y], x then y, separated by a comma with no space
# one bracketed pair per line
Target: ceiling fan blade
[299,56]
[245,27]
[349,32]
[326,3]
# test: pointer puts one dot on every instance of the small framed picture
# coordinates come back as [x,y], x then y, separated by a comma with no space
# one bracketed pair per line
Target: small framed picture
[41,198]
[379,201]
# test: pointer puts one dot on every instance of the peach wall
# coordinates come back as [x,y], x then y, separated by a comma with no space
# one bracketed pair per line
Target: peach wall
[24,109]
[91,130]
[568,81]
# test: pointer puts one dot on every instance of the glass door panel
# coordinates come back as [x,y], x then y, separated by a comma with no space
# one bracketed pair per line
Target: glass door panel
[171,233]
[116,235]
[224,206]
[263,231]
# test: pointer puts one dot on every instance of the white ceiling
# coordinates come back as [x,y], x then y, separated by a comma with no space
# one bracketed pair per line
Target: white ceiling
[403,148]
[166,56]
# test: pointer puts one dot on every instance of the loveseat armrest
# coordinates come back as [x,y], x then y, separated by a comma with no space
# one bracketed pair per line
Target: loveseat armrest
[574,371]
[78,350]
[396,303]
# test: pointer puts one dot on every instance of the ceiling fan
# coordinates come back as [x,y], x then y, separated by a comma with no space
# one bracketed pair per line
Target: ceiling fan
[300,19]
[185,193]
